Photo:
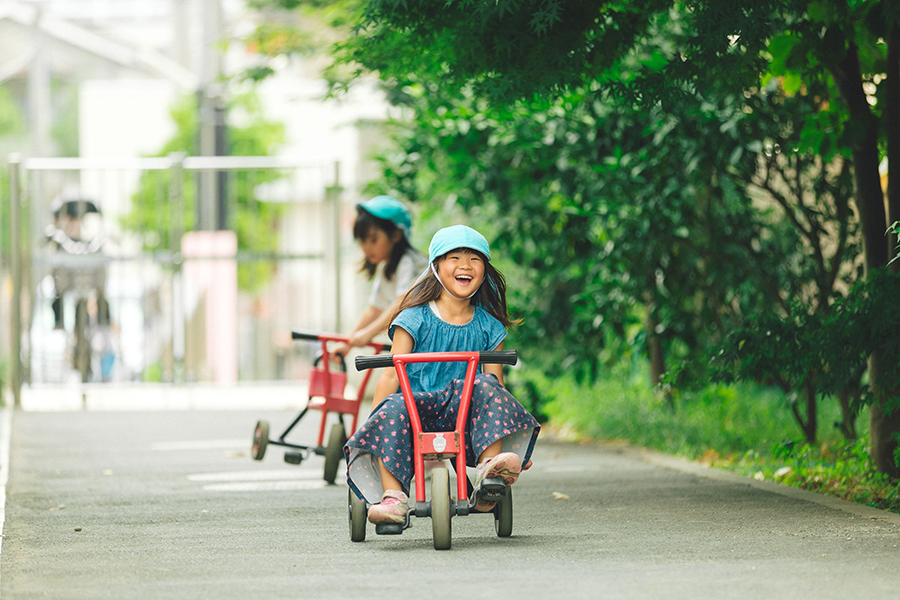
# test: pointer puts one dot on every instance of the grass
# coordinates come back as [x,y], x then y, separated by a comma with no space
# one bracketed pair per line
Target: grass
[745,429]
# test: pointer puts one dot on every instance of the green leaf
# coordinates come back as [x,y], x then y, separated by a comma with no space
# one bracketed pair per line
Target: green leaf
[792,83]
[780,48]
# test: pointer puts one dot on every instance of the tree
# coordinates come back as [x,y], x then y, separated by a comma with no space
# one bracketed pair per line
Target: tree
[849,52]
[515,50]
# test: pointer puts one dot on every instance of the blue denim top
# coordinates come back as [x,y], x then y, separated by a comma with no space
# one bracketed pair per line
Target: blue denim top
[432,334]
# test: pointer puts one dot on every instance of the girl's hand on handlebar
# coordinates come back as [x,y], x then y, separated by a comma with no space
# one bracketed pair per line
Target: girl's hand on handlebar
[358,340]
[339,353]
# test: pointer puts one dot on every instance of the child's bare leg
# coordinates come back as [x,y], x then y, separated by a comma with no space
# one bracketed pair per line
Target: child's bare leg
[491,451]
[388,481]
[394,503]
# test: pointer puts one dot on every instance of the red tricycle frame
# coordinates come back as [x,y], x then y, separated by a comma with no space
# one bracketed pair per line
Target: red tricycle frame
[326,394]
[439,445]
[433,445]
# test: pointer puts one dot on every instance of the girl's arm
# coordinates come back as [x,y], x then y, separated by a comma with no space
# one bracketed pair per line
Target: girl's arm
[377,323]
[495,369]
[389,382]
[369,315]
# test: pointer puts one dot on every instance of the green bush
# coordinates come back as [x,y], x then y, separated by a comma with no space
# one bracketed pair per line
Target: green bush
[745,428]
[727,419]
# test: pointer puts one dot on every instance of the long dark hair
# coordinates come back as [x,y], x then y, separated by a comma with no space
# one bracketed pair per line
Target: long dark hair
[365,221]
[491,295]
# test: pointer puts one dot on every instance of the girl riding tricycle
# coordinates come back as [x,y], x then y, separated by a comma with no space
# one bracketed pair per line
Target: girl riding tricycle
[457,306]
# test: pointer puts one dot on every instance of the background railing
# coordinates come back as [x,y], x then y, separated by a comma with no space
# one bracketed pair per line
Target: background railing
[156,298]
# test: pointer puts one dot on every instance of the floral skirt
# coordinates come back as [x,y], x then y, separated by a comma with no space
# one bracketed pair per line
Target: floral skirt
[387,434]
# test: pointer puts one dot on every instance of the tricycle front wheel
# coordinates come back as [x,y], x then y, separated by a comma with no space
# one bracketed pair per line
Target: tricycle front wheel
[440,508]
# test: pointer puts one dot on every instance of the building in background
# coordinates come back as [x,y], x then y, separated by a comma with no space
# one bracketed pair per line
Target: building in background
[97,79]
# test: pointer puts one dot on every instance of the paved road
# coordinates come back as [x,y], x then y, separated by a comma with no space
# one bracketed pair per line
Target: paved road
[170,505]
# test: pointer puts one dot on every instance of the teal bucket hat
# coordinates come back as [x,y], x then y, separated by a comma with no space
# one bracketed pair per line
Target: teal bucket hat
[389,209]
[457,236]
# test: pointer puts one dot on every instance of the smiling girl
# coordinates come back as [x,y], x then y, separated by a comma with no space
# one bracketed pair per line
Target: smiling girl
[382,228]
[459,306]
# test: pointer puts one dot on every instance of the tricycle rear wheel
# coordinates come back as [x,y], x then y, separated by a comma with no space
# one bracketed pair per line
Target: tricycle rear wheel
[440,508]
[358,515]
[503,515]
[334,451]
[260,440]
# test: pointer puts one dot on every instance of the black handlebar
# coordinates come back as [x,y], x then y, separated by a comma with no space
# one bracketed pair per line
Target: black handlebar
[496,357]
[312,336]
[304,335]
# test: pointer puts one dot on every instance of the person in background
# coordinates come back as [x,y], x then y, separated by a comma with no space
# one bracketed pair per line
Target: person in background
[382,229]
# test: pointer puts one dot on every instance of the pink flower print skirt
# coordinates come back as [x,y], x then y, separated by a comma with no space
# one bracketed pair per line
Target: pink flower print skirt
[494,415]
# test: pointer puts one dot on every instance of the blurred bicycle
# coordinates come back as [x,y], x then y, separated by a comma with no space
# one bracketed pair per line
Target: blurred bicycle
[76,237]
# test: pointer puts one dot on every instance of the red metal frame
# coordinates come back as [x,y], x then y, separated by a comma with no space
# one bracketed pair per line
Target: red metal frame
[333,383]
[433,444]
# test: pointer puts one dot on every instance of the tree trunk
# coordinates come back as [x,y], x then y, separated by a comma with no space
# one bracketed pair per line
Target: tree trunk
[848,401]
[655,352]
[883,425]
[811,427]
[892,121]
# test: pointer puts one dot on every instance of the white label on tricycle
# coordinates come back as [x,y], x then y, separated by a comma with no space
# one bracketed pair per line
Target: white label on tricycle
[439,442]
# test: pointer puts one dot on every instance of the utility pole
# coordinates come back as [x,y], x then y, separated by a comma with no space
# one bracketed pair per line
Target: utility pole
[211,205]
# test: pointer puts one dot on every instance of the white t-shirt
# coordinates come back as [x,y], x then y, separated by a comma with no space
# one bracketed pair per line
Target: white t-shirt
[385,291]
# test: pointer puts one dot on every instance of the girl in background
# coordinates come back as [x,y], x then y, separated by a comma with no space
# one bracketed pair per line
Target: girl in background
[382,228]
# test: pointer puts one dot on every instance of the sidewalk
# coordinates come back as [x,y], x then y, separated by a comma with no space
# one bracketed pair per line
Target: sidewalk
[157,504]
[276,395]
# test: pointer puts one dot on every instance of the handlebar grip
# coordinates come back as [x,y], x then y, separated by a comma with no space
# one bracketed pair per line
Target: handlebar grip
[498,357]
[296,334]
[374,362]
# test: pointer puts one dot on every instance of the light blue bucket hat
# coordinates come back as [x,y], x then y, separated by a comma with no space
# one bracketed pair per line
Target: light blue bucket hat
[390,209]
[457,236]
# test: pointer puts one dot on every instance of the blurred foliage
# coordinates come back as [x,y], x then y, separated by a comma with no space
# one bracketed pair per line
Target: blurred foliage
[11,119]
[675,223]
[658,174]
[254,221]
[743,428]
[827,349]
[12,123]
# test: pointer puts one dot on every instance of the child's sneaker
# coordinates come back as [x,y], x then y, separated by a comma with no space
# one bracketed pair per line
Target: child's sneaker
[482,505]
[392,509]
[506,466]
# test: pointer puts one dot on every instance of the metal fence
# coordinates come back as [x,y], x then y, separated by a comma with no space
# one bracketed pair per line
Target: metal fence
[119,276]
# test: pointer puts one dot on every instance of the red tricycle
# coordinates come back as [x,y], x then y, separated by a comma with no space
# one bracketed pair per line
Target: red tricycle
[326,394]
[439,445]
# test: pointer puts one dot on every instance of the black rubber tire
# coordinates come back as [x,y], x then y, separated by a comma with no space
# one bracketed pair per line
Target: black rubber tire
[441,527]
[260,440]
[334,451]
[503,515]
[81,359]
[358,515]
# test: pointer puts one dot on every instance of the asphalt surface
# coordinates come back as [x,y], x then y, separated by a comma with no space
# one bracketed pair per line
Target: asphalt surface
[168,504]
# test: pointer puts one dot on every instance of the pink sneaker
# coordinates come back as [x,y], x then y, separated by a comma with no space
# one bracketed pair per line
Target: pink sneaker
[506,466]
[392,509]
[482,505]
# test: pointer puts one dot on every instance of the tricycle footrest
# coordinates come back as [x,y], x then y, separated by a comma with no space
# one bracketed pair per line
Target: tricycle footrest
[293,457]
[389,528]
[493,489]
